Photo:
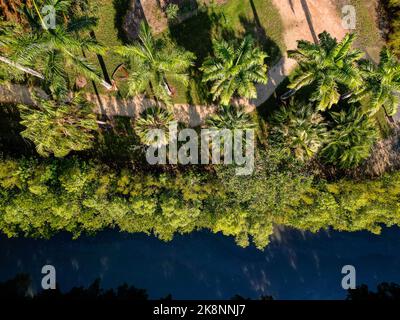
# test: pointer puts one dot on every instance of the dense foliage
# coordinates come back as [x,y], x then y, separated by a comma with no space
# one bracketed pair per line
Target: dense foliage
[331,119]
[234,69]
[39,198]
[59,128]
[152,62]
[326,66]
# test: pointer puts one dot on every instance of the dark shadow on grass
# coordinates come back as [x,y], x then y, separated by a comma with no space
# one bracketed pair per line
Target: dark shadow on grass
[117,143]
[11,141]
[262,39]
[121,7]
[265,110]
[255,28]
[195,35]
[185,6]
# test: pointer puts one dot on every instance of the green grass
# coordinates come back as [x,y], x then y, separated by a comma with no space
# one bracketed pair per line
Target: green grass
[367,30]
[107,33]
[240,16]
[231,20]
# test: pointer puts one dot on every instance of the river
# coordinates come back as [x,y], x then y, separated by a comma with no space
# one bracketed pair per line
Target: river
[202,265]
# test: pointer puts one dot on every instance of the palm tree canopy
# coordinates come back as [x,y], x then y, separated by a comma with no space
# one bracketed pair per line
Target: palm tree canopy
[57,127]
[351,139]
[326,66]
[235,70]
[381,83]
[52,51]
[149,123]
[231,117]
[153,61]
[300,129]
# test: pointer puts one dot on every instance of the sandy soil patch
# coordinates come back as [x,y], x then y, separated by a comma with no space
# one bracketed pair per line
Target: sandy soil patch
[305,19]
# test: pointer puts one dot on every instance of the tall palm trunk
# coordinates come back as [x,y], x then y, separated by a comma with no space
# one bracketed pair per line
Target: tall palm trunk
[166,85]
[104,83]
[21,67]
[154,95]
[101,61]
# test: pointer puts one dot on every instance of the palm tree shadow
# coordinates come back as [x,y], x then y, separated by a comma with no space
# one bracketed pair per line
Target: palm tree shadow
[121,8]
[195,35]
[307,12]
[265,42]
[255,28]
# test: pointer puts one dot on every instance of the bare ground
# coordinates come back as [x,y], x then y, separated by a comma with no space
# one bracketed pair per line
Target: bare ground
[302,19]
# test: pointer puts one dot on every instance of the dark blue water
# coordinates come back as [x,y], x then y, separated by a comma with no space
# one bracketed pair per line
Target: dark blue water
[207,266]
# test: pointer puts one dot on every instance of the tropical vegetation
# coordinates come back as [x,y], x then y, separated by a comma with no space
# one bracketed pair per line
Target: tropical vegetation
[64,168]
[231,117]
[151,119]
[300,130]
[153,62]
[59,127]
[235,70]
[47,51]
[327,66]
[42,197]
[351,138]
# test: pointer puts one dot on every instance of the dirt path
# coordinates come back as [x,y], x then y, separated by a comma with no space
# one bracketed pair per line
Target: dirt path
[302,19]
[112,106]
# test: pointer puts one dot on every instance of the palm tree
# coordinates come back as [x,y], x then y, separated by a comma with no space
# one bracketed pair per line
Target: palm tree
[381,83]
[149,123]
[235,70]
[7,31]
[350,140]
[59,128]
[329,67]
[47,53]
[153,61]
[301,131]
[231,117]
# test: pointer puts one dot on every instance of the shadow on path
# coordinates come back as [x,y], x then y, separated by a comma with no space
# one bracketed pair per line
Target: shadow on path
[309,19]
[291,5]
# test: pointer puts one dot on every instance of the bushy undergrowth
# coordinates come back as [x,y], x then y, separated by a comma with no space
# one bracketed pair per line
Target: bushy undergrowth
[39,198]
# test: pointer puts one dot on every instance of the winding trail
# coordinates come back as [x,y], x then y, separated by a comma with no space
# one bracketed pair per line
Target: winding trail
[302,19]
